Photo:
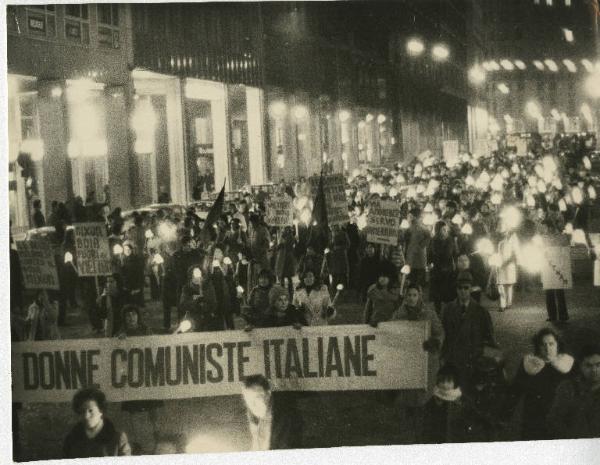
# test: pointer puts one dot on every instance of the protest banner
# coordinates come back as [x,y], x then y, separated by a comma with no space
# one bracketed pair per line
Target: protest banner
[383,222]
[556,268]
[38,265]
[450,152]
[280,211]
[92,249]
[334,188]
[323,358]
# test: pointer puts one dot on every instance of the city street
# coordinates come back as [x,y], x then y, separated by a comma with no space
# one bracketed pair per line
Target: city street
[331,419]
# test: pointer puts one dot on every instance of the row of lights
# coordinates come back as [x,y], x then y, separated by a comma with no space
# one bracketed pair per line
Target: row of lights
[416,47]
[300,112]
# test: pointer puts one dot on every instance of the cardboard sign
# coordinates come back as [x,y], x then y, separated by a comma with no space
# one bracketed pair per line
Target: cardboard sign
[450,150]
[556,268]
[323,358]
[383,222]
[518,142]
[334,188]
[280,212]
[92,249]
[38,265]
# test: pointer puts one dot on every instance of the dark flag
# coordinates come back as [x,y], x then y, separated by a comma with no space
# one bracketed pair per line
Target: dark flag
[213,214]
[319,228]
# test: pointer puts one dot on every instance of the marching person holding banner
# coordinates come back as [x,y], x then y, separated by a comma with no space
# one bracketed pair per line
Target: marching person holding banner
[281,312]
[141,437]
[314,300]
[94,435]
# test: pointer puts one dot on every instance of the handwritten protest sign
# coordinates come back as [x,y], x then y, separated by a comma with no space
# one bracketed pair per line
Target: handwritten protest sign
[280,211]
[556,268]
[334,188]
[324,358]
[93,253]
[38,265]
[383,222]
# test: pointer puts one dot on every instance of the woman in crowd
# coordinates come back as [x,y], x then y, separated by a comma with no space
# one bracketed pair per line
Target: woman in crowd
[507,270]
[441,258]
[141,435]
[313,299]
[281,312]
[285,261]
[383,298]
[257,309]
[411,401]
[536,382]
[94,435]
[41,321]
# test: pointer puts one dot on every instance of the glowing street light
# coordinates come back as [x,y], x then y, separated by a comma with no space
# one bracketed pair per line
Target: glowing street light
[587,64]
[570,66]
[592,85]
[538,64]
[300,112]
[520,64]
[415,47]
[502,87]
[569,37]
[551,64]
[277,109]
[344,116]
[476,75]
[507,65]
[440,52]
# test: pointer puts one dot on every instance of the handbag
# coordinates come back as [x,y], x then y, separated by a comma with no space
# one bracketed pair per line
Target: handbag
[491,290]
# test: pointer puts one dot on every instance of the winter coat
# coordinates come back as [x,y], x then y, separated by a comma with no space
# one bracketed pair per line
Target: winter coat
[291,316]
[441,255]
[536,382]
[259,241]
[258,306]
[316,303]
[417,397]
[108,443]
[466,335]
[285,261]
[381,303]
[575,412]
[368,269]
[444,422]
[417,241]
[337,259]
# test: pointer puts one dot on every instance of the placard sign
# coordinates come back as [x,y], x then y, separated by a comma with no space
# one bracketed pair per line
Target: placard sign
[38,265]
[280,211]
[383,222]
[320,358]
[334,188]
[92,249]
[556,269]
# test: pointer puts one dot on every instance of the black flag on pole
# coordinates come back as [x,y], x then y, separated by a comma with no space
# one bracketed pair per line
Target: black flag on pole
[319,228]
[214,213]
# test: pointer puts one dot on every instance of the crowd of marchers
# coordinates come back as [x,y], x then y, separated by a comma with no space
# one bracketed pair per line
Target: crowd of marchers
[469,230]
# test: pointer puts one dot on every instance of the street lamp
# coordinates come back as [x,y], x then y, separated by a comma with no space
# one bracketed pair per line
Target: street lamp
[533,110]
[415,47]
[592,85]
[477,75]
[440,52]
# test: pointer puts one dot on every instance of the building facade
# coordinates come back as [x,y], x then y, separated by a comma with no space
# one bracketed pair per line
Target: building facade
[133,103]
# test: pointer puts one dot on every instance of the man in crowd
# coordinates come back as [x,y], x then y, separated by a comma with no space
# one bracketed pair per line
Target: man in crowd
[468,329]
[417,240]
[273,420]
[575,413]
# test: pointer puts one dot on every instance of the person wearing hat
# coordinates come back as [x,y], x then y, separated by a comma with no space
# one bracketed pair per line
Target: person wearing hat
[281,312]
[468,329]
